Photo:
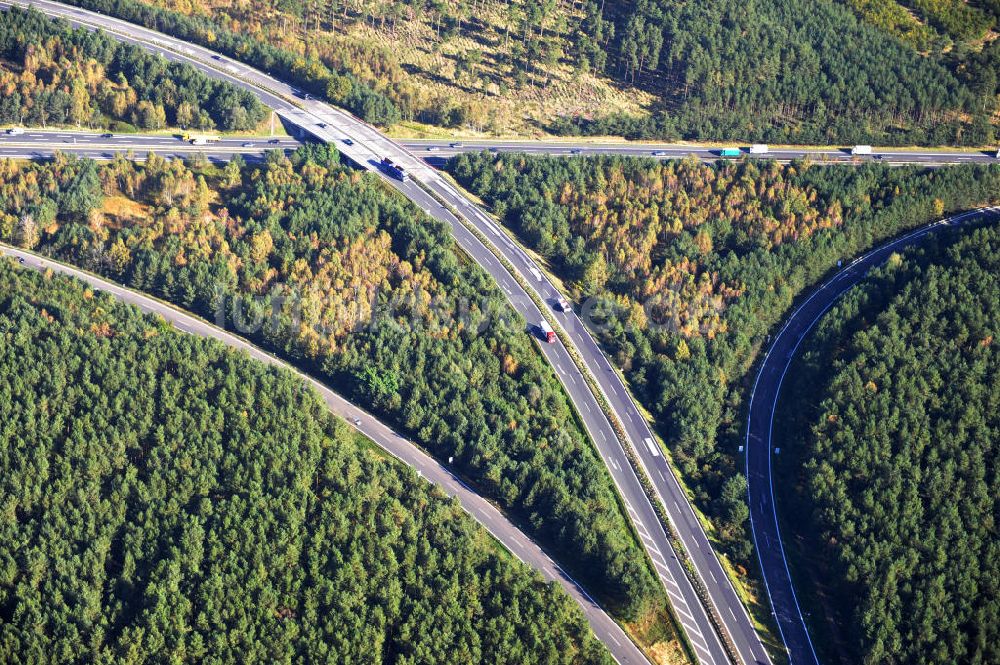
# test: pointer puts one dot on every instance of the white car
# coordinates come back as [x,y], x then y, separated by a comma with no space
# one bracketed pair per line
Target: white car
[15,131]
[433,148]
[248,144]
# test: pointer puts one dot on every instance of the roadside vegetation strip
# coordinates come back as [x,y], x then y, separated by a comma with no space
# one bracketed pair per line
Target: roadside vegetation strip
[623,438]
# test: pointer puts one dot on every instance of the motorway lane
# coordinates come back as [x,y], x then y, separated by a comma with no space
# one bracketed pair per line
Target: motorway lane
[438,149]
[688,609]
[434,152]
[365,146]
[725,601]
[519,544]
[70,138]
[758,447]
[41,144]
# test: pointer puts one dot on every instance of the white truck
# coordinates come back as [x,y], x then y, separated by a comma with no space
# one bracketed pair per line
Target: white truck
[861,150]
[759,149]
[15,131]
[546,332]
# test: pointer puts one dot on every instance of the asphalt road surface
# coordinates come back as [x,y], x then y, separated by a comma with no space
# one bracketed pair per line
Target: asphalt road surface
[437,150]
[41,144]
[759,447]
[35,143]
[609,632]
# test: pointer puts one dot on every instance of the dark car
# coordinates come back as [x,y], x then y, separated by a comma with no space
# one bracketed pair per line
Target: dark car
[274,141]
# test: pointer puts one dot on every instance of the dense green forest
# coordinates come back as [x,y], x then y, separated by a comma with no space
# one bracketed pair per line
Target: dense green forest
[368,292]
[891,423]
[167,499]
[804,71]
[51,74]
[687,267]
[801,71]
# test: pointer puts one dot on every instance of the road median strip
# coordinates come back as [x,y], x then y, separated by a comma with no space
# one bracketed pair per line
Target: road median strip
[620,433]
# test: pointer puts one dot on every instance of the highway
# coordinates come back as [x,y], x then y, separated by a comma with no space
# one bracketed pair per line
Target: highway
[40,144]
[759,448]
[437,150]
[365,146]
[485,513]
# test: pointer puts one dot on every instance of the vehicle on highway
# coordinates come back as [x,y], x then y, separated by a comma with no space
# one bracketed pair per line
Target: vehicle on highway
[562,305]
[997,156]
[348,142]
[861,150]
[321,125]
[15,131]
[660,153]
[274,141]
[20,259]
[249,144]
[494,149]
[729,152]
[395,170]
[457,144]
[433,148]
[199,139]
[357,422]
[107,135]
[759,149]
[575,151]
[546,332]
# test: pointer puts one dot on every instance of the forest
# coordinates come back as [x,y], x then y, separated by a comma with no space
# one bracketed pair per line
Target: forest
[891,423]
[332,270]
[799,71]
[685,268]
[166,499]
[793,71]
[52,74]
